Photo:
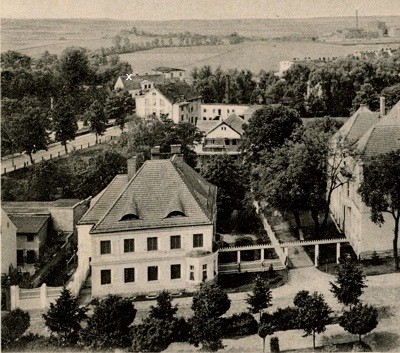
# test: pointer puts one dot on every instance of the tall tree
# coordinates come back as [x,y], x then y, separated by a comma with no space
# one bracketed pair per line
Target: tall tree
[350,283]
[313,314]
[380,190]
[359,320]
[96,118]
[268,128]
[260,298]
[64,123]
[118,106]
[74,67]
[209,303]
[64,317]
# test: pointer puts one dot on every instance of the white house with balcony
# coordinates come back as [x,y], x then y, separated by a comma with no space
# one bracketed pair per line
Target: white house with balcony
[372,133]
[150,230]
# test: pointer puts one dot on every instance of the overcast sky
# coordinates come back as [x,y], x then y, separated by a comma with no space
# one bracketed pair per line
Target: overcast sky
[194,9]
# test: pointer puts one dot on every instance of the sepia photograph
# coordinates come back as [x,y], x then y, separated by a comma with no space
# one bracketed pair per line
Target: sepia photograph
[200,176]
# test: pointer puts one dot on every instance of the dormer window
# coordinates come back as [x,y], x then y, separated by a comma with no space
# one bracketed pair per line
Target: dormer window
[129,217]
[175,214]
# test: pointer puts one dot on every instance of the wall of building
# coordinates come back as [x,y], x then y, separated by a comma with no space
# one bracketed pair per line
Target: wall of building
[223,131]
[141,258]
[211,111]
[152,103]
[8,243]
[186,111]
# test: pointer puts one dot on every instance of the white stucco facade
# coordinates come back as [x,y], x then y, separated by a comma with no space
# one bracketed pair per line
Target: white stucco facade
[8,243]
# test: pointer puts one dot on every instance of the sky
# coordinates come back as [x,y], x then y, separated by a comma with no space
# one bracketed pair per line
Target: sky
[195,9]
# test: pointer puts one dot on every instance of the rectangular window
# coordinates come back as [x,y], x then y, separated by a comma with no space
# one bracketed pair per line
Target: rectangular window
[233,142]
[204,272]
[30,256]
[175,271]
[197,240]
[205,110]
[129,275]
[30,237]
[129,245]
[105,247]
[20,256]
[175,241]
[191,273]
[228,111]
[105,276]
[152,273]
[152,244]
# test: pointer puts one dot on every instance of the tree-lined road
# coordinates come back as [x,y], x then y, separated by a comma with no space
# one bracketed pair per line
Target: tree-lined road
[55,150]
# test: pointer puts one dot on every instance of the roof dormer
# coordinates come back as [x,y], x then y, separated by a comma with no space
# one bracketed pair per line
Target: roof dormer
[175,208]
[130,210]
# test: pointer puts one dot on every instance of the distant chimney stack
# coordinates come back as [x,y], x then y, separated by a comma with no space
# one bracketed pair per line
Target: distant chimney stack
[382,106]
[155,152]
[176,149]
[132,167]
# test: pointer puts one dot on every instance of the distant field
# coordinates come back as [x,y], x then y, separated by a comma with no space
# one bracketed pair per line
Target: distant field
[34,36]
[254,56]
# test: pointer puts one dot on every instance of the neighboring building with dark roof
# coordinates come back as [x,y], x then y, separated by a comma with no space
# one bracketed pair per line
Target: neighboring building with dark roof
[372,134]
[138,84]
[150,230]
[175,100]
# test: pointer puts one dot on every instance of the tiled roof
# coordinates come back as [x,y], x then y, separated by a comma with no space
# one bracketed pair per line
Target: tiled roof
[29,223]
[134,83]
[206,125]
[173,91]
[37,206]
[108,195]
[157,186]
[166,69]
[358,124]
[383,137]
[235,123]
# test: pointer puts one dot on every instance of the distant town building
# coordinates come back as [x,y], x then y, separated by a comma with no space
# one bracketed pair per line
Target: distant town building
[170,73]
[175,100]
[138,84]
[150,229]
[372,134]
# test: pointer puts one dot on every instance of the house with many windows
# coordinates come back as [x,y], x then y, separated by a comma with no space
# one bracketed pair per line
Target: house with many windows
[170,73]
[138,84]
[372,133]
[149,230]
[175,100]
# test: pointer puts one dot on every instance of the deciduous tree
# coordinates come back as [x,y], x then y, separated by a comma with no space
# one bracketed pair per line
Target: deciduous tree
[260,298]
[380,190]
[96,118]
[360,320]
[313,314]
[64,123]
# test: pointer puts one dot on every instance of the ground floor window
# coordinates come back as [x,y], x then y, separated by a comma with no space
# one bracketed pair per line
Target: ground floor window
[30,256]
[175,271]
[152,273]
[105,276]
[191,273]
[129,275]
[20,256]
[204,272]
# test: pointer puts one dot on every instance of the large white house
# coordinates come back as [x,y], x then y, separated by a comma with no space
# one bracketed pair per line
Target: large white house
[175,100]
[149,230]
[372,134]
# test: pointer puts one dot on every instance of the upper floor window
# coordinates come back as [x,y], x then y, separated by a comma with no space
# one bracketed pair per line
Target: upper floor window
[175,241]
[197,240]
[129,245]
[105,247]
[152,244]
[205,110]
[30,237]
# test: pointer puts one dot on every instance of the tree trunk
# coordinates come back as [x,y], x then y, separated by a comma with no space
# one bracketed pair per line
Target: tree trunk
[314,216]
[30,157]
[359,338]
[296,215]
[65,147]
[264,345]
[395,240]
[96,138]
[313,340]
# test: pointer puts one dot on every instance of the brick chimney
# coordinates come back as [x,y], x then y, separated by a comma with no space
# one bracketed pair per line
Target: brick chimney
[382,106]
[176,149]
[155,152]
[132,167]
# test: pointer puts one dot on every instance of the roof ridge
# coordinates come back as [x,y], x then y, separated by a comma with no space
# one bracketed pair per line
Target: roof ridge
[119,196]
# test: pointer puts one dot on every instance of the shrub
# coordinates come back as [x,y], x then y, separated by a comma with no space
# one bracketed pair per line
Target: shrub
[181,331]
[285,318]
[151,335]
[239,325]
[274,345]
[13,326]
[109,325]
